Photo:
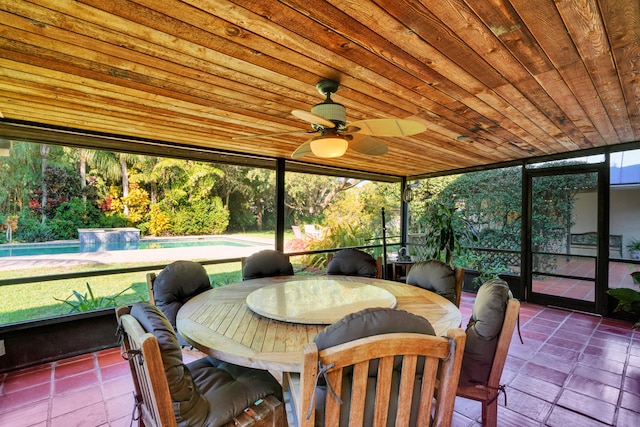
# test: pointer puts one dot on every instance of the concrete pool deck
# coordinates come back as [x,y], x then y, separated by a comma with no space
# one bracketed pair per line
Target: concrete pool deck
[150,256]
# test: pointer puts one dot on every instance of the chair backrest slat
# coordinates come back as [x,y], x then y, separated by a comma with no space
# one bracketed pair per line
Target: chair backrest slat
[407,381]
[358,400]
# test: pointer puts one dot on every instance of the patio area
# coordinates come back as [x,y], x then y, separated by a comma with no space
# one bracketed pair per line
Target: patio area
[619,277]
[573,368]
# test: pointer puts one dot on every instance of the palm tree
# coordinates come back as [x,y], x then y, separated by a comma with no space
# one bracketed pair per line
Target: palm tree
[44,155]
[115,166]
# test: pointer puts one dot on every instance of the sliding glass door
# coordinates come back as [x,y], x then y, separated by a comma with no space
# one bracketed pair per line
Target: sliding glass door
[564,236]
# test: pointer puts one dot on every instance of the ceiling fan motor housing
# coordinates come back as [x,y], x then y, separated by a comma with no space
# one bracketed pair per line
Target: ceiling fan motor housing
[331,111]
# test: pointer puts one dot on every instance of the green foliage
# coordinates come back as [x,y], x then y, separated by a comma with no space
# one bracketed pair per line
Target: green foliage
[201,217]
[19,174]
[492,201]
[159,222]
[74,214]
[488,269]
[223,279]
[628,301]
[88,301]
[62,186]
[138,202]
[261,184]
[633,245]
[339,236]
[307,195]
[447,232]
[30,228]
[113,220]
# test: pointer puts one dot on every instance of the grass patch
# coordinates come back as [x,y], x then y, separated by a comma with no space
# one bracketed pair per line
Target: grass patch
[37,300]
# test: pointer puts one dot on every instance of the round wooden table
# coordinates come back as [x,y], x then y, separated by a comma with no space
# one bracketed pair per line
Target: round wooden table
[220,323]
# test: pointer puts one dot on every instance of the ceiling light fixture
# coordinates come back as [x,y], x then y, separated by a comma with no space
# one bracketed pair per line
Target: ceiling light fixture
[329,146]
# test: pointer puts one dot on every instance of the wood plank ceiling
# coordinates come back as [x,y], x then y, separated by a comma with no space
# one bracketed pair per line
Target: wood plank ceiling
[516,78]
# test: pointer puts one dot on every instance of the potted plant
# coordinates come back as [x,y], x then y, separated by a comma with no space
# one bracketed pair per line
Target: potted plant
[447,231]
[634,248]
[628,300]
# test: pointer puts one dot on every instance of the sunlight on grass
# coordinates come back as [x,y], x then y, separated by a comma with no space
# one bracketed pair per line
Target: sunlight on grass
[37,300]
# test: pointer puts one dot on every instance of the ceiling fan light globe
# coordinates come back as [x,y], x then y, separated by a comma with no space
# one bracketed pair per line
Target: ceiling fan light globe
[328,147]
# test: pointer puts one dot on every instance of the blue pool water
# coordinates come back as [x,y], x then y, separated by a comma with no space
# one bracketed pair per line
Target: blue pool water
[27,249]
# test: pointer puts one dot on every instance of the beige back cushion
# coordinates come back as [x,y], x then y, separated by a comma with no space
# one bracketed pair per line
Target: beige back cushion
[483,331]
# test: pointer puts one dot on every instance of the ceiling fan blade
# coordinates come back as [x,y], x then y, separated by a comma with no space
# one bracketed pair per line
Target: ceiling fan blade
[302,150]
[389,127]
[368,145]
[313,118]
[265,135]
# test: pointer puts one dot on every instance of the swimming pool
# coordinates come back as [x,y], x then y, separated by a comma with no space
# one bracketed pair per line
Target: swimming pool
[53,248]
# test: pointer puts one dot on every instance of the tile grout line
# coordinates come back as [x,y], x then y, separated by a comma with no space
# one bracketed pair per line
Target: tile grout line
[624,379]
[52,391]
[572,371]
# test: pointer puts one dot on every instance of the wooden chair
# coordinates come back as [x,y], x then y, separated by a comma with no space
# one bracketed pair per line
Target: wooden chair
[311,232]
[439,277]
[297,233]
[266,263]
[459,275]
[488,393]
[177,283]
[443,358]
[151,277]
[359,257]
[154,406]
[378,265]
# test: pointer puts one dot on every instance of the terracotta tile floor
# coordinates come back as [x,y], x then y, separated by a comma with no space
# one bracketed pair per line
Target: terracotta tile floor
[619,277]
[573,370]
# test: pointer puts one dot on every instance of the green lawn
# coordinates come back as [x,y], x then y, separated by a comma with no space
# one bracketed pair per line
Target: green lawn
[38,300]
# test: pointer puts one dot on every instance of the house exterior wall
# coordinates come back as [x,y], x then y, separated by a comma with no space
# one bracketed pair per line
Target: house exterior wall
[624,217]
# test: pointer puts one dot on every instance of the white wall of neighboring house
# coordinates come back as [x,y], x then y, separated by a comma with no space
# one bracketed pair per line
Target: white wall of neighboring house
[624,216]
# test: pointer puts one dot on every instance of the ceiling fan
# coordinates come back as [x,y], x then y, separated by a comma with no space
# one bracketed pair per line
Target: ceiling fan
[328,118]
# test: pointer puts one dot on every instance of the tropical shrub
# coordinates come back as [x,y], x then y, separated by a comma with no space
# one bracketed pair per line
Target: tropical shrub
[88,301]
[296,245]
[159,222]
[339,236]
[31,229]
[201,217]
[113,220]
[74,214]
[138,203]
[61,185]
